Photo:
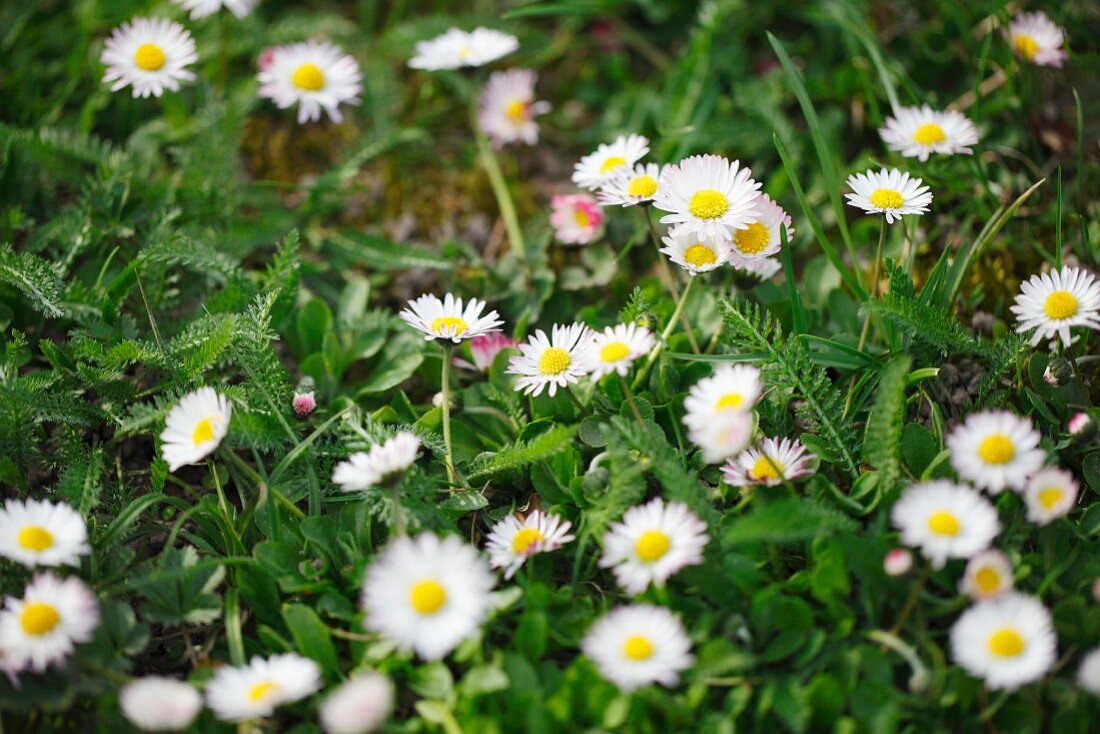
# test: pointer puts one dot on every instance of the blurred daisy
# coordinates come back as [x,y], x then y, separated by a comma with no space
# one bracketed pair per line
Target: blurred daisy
[447,319]
[707,195]
[576,218]
[558,361]
[732,387]
[945,520]
[890,192]
[484,350]
[725,435]
[918,132]
[312,75]
[1007,641]
[42,628]
[149,55]
[652,542]
[897,562]
[695,253]
[762,238]
[427,593]
[457,48]
[378,466]
[507,108]
[1036,39]
[995,449]
[40,533]
[203,8]
[615,348]
[155,703]
[988,574]
[1049,495]
[1051,303]
[359,705]
[257,689]
[770,463]
[195,427]
[628,188]
[609,160]
[512,541]
[1088,675]
[639,645]
[762,269]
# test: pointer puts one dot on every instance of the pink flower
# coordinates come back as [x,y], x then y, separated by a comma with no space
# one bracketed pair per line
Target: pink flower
[897,562]
[484,349]
[304,403]
[576,218]
[265,59]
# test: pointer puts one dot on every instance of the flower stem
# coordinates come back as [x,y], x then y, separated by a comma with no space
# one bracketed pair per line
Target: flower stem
[630,400]
[398,511]
[500,189]
[669,277]
[448,459]
[644,371]
[872,287]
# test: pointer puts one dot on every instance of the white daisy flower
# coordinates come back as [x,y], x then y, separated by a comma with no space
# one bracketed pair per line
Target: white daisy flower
[694,253]
[195,427]
[1088,675]
[639,645]
[652,542]
[1049,495]
[995,449]
[149,55]
[1007,641]
[1035,38]
[378,466]
[988,574]
[615,348]
[732,387]
[457,48]
[447,319]
[203,8]
[725,435]
[918,132]
[945,520]
[558,361]
[609,159]
[1052,303]
[54,615]
[576,218]
[507,108]
[155,703]
[771,463]
[761,239]
[427,593]
[40,533]
[707,195]
[360,705]
[890,192]
[312,75]
[762,269]
[257,689]
[512,541]
[627,188]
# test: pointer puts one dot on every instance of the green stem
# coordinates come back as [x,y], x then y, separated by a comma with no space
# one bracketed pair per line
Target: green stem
[669,276]
[872,287]
[500,189]
[644,371]
[630,400]
[398,511]
[448,459]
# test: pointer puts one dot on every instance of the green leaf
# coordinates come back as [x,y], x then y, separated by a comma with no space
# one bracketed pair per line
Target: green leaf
[34,278]
[314,321]
[882,437]
[398,361]
[382,254]
[311,636]
[543,446]
[786,521]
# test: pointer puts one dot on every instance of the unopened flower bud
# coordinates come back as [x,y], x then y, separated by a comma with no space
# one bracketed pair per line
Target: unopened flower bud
[1058,372]
[898,562]
[304,402]
[1082,427]
[1096,591]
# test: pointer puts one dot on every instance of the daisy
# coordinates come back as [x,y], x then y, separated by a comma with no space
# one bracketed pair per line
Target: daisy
[707,195]
[378,466]
[890,192]
[732,387]
[995,449]
[304,403]
[897,562]
[1049,495]
[41,628]
[628,188]
[762,269]
[725,435]
[1007,641]
[595,169]
[771,463]
[457,48]
[312,75]
[427,593]
[576,218]
[1088,675]
[154,703]
[447,319]
[945,520]
[638,645]
[1035,38]
[988,574]
[150,55]
[616,347]
[485,348]
[359,705]
[695,253]
[507,108]
[195,427]
[512,541]
[203,8]
[1052,303]
[40,533]
[762,238]
[918,132]
[558,361]
[653,542]
[257,689]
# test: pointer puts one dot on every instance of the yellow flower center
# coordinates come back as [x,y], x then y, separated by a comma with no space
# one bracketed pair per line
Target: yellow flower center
[1006,643]
[1060,305]
[637,648]
[149,57]
[35,538]
[580,216]
[996,449]
[525,538]
[427,596]
[987,579]
[308,78]
[699,255]
[554,361]
[729,400]
[39,618]
[886,198]
[767,469]
[260,691]
[651,545]
[943,523]
[1025,46]
[614,351]
[642,186]
[751,240]
[454,323]
[708,204]
[611,163]
[204,431]
[516,111]
[1049,497]
[929,134]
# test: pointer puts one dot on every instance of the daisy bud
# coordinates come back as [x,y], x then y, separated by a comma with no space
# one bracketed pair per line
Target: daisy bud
[1058,372]
[1096,591]
[263,63]
[897,562]
[1082,427]
[304,402]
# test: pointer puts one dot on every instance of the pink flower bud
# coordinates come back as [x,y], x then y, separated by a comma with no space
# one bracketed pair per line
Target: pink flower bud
[1096,591]
[304,403]
[898,562]
[265,59]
